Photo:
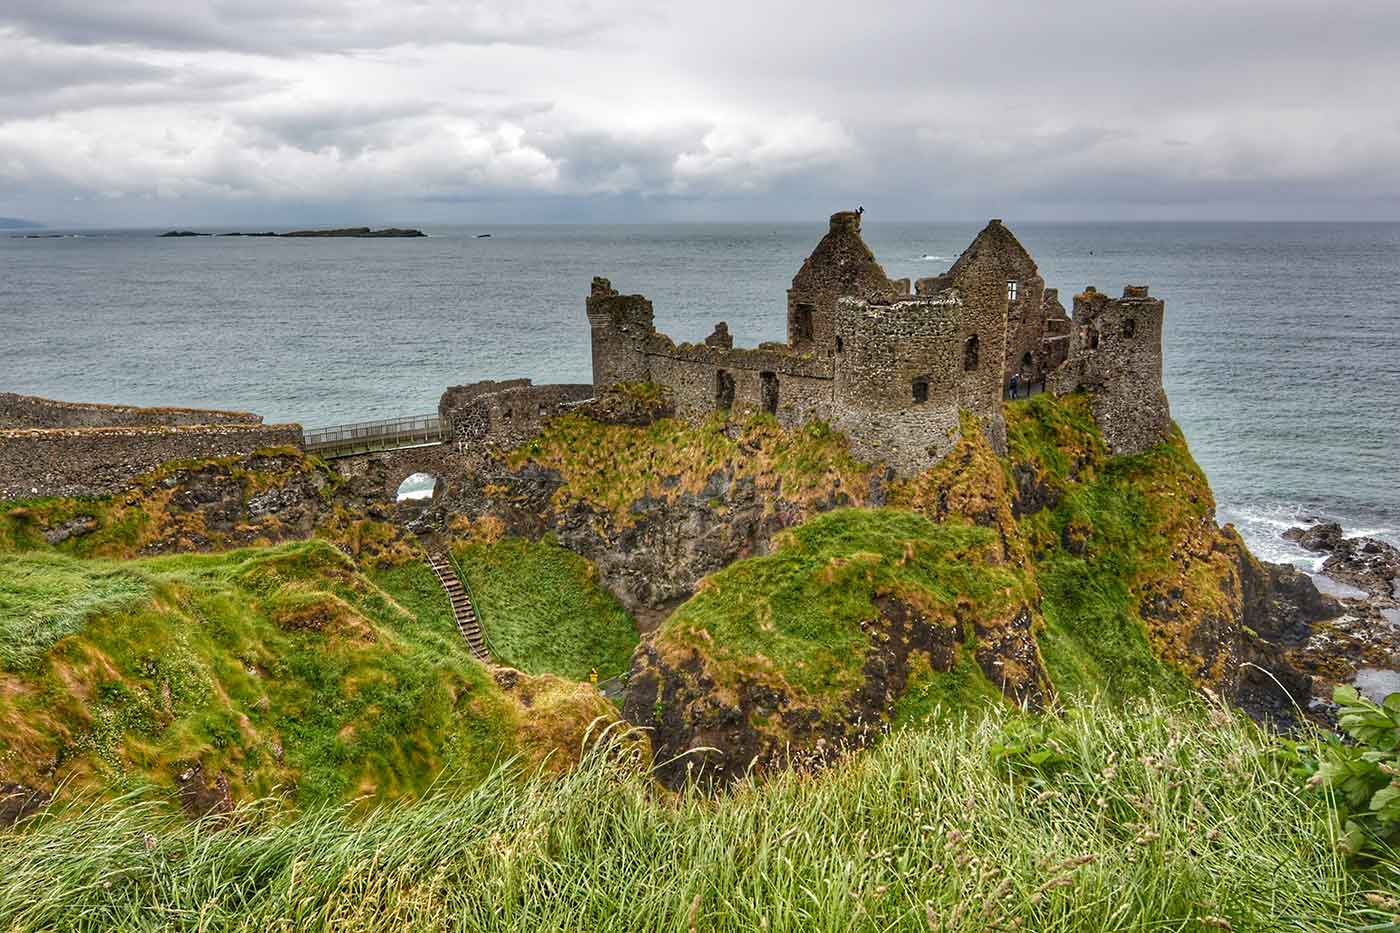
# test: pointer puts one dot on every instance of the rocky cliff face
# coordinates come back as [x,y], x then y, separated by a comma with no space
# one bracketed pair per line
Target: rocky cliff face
[213,505]
[657,506]
[1121,580]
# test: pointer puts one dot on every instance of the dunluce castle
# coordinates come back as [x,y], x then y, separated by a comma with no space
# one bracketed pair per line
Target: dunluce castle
[892,367]
[889,363]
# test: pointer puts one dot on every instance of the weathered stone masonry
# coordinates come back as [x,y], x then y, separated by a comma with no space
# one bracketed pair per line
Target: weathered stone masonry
[29,411]
[103,461]
[890,364]
[894,368]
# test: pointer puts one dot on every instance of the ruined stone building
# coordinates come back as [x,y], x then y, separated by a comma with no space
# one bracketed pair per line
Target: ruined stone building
[892,366]
[890,363]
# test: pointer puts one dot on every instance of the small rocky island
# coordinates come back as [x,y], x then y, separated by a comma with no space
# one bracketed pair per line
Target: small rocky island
[358,232]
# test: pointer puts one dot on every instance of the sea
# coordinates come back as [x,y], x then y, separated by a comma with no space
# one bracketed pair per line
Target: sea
[1282,343]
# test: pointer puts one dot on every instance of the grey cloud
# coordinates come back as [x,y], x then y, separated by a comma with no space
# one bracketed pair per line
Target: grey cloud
[287,27]
[721,110]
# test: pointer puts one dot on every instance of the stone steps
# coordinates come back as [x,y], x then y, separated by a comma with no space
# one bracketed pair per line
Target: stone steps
[468,625]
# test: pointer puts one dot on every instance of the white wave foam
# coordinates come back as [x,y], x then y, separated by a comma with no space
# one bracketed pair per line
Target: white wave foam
[1262,528]
[929,258]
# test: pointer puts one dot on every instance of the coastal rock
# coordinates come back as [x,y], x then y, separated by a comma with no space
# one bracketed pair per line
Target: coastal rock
[75,527]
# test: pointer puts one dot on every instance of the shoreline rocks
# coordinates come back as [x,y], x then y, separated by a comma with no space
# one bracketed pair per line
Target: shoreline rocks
[1362,641]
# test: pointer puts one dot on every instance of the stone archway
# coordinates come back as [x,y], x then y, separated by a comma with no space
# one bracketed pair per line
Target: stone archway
[381,475]
[418,487]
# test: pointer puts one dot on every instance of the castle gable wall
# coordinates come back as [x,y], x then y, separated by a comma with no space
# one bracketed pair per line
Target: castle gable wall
[841,266]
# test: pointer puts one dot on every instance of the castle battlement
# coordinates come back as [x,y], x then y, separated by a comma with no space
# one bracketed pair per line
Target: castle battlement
[892,363]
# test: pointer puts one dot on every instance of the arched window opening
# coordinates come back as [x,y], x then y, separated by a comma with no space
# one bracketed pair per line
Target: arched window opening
[1093,338]
[920,390]
[1027,362]
[970,351]
[768,385]
[1129,327]
[724,390]
[417,486]
[840,345]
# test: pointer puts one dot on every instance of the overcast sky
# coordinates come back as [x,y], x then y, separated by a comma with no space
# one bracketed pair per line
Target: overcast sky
[153,112]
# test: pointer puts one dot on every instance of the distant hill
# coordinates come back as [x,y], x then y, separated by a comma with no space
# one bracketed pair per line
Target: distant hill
[15,223]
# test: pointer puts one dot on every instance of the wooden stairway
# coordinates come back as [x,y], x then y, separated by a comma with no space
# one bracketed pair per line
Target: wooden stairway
[462,609]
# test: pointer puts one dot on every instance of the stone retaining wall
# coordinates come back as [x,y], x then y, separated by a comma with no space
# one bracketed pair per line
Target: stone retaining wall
[103,460]
[30,411]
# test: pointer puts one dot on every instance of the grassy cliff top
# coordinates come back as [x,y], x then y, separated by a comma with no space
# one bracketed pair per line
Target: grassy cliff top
[802,616]
[543,610]
[286,669]
[611,466]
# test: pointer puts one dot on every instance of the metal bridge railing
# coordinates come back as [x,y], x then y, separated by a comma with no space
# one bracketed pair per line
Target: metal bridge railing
[344,440]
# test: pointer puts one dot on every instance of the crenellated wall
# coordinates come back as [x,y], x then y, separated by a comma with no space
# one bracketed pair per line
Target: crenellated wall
[891,369]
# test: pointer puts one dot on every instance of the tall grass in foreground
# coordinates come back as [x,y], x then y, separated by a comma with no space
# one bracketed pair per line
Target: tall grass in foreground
[1144,817]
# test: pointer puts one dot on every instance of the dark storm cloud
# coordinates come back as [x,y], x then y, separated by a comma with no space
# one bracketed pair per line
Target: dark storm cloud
[726,109]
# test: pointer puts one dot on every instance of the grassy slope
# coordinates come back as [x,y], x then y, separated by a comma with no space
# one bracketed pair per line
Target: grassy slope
[1144,817]
[277,666]
[1130,518]
[543,610]
[796,614]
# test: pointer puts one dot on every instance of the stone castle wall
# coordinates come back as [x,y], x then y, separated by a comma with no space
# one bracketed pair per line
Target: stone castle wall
[893,370]
[30,411]
[502,415]
[101,461]
[1116,355]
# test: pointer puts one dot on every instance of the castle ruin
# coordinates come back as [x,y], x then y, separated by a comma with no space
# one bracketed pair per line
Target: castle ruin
[893,366]
[890,363]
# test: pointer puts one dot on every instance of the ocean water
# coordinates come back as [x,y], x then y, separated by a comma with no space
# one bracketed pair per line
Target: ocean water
[1282,340]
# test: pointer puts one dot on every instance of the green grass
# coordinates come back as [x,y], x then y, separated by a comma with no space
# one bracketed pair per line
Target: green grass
[44,598]
[800,608]
[609,467]
[1094,639]
[1144,816]
[543,611]
[283,668]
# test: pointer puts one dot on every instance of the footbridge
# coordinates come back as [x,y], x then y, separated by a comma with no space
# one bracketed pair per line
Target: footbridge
[367,437]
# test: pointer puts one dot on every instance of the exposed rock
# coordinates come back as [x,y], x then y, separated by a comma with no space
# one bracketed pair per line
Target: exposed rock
[75,527]
[18,801]
[1368,564]
[200,799]
[713,736]
[1352,633]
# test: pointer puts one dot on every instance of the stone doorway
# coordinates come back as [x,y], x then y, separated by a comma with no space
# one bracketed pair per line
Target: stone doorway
[768,391]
